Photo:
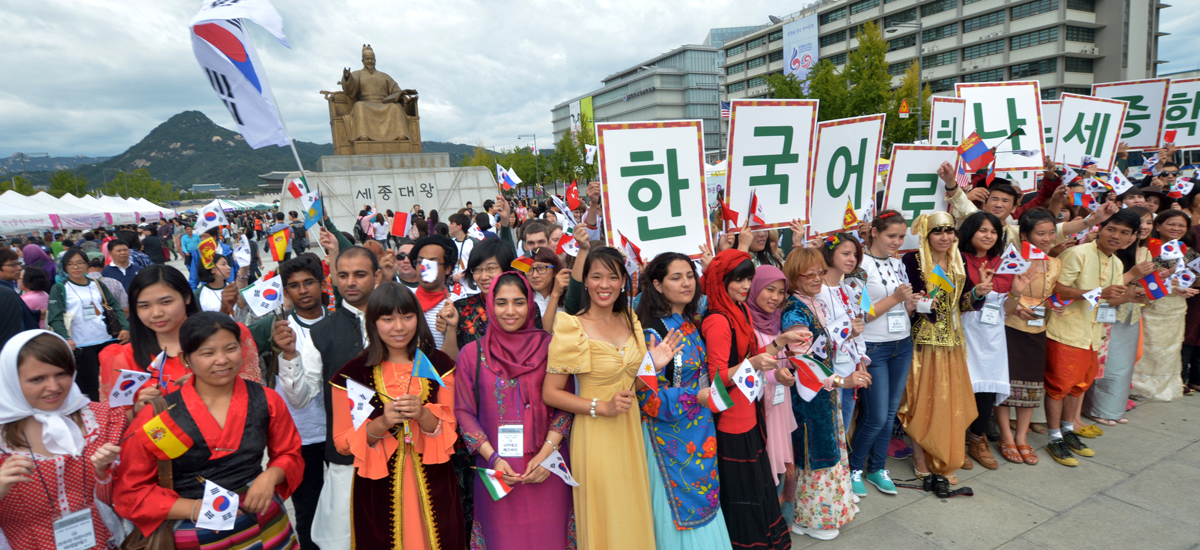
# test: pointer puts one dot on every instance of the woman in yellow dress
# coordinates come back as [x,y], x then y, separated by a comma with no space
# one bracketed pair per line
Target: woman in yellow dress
[603,348]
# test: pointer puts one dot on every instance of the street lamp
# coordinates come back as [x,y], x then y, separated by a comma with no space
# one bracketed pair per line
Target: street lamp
[25,157]
[536,166]
[920,90]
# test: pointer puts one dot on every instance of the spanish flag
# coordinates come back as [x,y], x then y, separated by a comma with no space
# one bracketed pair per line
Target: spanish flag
[165,438]
[279,244]
[208,249]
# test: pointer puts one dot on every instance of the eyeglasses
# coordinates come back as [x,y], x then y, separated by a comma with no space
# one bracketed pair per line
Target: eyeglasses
[72,264]
[541,269]
[810,276]
[13,264]
[1171,173]
[488,270]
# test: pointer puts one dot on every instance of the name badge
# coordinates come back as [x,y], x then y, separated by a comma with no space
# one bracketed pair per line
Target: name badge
[925,305]
[780,391]
[1106,314]
[89,312]
[990,314]
[842,355]
[896,322]
[75,531]
[1040,311]
[512,440]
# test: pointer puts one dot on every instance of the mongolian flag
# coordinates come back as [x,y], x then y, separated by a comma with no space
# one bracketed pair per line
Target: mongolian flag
[975,153]
[423,368]
[208,249]
[278,242]
[165,438]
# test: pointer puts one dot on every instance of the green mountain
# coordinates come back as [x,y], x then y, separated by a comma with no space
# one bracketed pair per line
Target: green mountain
[190,149]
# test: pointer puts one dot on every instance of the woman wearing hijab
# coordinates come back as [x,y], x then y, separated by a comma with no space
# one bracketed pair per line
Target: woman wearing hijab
[768,294]
[498,404]
[33,255]
[678,429]
[748,498]
[54,442]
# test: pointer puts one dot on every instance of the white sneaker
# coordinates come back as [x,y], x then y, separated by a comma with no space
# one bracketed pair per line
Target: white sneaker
[819,534]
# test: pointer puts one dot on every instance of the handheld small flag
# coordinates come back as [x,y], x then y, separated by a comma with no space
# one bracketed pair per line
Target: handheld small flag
[573,196]
[164,438]
[360,402]
[1169,136]
[1093,296]
[974,152]
[156,366]
[1181,187]
[512,176]
[297,188]
[850,217]
[1184,278]
[1171,250]
[314,208]
[126,387]
[960,176]
[212,215]
[1120,184]
[265,295]
[1154,286]
[558,467]
[1086,200]
[940,280]
[423,368]
[429,270]
[219,509]
[522,264]
[567,244]
[991,173]
[718,397]
[493,482]
[728,215]
[633,255]
[279,244]
[242,252]
[647,374]
[1012,263]
[475,233]
[590,153]
[1069,174]
[755,212]
[400,224]
[1057,302]
[810,376]
[1031,252]
[748,380]
[208,250]
[865,304]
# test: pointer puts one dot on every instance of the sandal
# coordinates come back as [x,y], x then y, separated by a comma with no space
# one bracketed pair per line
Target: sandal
[1104,421]
[1122,421]
[953,479]
[1187,390]
[1027,455]
[1010,454]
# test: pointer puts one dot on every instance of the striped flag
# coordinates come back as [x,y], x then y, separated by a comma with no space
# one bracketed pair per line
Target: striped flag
[810,375]
[164,438]
[724,109]
[1154,286]
[523,264]
[400,224]
[493,482]
[647,374]
[278,242]
[961,177]
[718,397]
[940,280]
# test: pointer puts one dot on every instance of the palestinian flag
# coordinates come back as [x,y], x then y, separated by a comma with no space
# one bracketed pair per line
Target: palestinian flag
[810,374]
[493,482]
[278,242]
[165,438]
[718,397]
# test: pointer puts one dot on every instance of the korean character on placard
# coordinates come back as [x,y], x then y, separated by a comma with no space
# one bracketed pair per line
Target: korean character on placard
[920,185]
[947,134]
[674,186]
[785,156]
[1014,123]
[1095,132]
[1178,115]
[1137,112]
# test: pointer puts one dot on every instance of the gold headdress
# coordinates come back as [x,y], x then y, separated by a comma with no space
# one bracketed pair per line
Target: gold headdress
[922,227]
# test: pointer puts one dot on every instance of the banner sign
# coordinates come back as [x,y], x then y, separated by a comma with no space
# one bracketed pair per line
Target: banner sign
[1050,111]
[770,155]
[800,46]
[946,120]
[845,160]
[1088,126]
[996,110]
[1183,113]
[913,187]
[1147,99]
[652,177]
[1024,180]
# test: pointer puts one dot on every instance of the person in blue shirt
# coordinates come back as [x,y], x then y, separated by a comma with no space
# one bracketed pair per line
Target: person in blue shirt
[222,249]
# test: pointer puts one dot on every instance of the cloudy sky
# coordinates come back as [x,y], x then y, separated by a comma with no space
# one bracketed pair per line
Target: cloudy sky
[92,77]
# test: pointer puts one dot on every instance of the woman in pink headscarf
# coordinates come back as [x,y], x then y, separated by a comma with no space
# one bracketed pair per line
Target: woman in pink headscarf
[768,294]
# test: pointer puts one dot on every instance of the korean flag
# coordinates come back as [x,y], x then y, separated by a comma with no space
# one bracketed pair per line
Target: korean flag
[1171,250]
[360,402]
[218,510]
[1184,278]
[264,295]
[126,387]
[1011,262]
[749,380]
[558,467]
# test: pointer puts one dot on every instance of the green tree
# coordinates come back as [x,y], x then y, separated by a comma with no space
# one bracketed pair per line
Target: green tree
[866,72]
[18,184]
[904,130]
[66,181]
[139,183]
[824,83]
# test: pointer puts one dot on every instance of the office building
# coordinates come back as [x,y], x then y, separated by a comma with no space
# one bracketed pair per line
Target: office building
[718,37]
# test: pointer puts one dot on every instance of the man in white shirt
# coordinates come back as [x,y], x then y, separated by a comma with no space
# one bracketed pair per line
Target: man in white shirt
[463,243]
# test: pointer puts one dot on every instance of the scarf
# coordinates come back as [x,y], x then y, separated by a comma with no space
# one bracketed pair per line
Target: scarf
[766,323]
[35,256]
[429,298]
[513,354]
[713,285]
[921,227]
[60,434]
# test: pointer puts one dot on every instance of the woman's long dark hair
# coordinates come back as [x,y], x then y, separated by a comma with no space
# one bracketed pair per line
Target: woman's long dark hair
[206,275]
[386,299]
[612,259]
[201,326]
[1128,255]
[653,304]
[972,225]
[142,339]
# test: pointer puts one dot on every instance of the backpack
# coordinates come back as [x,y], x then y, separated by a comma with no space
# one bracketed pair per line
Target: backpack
[299,237]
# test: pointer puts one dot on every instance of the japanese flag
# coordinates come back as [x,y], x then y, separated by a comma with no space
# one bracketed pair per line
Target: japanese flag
[1171,250]
[558,467]
[647,374]
[264,295]
[429,270]
[126,387]
[360,402]
[748,380]
[218,510]
[1093,297]
[1031,252]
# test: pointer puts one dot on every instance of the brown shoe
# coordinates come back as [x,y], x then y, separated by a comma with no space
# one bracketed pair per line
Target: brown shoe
[967,464]
[977,447]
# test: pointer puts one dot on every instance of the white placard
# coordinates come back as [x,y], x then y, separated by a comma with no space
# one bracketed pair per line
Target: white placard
[997,109]
[946,120]
[1089,126]
[1050,111]
[1023,180]
[770,146]
[1147,99]
[653,185]
[1183,112]
[913,186]
[845,161]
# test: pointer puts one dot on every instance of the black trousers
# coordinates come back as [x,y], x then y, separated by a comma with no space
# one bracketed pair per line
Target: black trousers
[984,401]
[304,498]
[87,367]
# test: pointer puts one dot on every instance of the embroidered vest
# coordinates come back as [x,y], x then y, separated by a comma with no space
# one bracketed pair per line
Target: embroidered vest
[234,471]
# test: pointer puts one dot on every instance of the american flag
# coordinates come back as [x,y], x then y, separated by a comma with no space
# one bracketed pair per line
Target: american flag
[724,109]
[961,177]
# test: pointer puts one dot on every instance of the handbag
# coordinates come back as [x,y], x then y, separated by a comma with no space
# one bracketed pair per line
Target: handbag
[163,536]
[111,324]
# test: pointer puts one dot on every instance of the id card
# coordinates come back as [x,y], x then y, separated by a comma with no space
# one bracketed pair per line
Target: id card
[990,314]
[780,391]
[842,356]
[89,312]
[895,321]
[1106,314]
[925,305]
[75,531]
[1040,311]
[512,440]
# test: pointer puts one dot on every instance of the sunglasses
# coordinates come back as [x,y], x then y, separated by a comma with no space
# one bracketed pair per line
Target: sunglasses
[1169,173]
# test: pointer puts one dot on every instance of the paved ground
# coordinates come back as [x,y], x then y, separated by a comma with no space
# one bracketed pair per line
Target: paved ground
[1141,490]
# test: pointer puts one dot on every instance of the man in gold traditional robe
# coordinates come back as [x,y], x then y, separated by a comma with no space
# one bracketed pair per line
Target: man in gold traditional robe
[381,107]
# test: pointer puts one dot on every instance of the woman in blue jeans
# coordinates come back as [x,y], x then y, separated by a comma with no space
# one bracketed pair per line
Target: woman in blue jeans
[890,348]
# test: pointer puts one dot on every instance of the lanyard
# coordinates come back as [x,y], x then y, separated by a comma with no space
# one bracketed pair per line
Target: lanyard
[38,469]
[91,298]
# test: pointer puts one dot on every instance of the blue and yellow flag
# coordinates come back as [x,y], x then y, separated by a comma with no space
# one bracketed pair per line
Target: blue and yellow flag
[423,367]
[865,303]
[940,280]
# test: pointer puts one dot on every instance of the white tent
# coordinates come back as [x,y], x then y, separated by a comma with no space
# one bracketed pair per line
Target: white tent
[14,219]
[145,204]
[121,214]
[64,214]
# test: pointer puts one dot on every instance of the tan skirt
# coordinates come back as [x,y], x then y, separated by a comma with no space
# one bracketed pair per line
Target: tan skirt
[938,405]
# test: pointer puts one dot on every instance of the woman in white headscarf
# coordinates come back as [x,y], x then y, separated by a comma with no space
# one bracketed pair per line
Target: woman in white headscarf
[56,447]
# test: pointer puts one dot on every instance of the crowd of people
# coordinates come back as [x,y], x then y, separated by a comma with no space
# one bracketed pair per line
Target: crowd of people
[473,384]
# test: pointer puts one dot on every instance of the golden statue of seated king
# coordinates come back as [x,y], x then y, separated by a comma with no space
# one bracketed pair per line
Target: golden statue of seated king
[372,115]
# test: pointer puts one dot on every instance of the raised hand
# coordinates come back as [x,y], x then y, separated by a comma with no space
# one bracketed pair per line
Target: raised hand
[664,352]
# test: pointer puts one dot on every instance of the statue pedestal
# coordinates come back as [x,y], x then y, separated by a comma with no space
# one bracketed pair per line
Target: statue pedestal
[350,163]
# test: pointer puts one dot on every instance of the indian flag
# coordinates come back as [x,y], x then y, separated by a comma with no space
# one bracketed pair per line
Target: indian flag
[494,484]
[810,373]
[166,439]
[718,397]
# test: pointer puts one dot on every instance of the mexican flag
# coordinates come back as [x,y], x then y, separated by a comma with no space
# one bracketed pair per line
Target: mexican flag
[810,373]
[718,397]
[494,484]
[297,187]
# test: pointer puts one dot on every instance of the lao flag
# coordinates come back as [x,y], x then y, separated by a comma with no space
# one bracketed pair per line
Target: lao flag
[1031,252]
[231,66]
[975,153]
[573,196]
[647,374]
[1057,302]
[1154,286]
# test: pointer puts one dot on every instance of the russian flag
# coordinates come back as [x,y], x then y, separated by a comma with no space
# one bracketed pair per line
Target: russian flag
[1154,286]
[975,153]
